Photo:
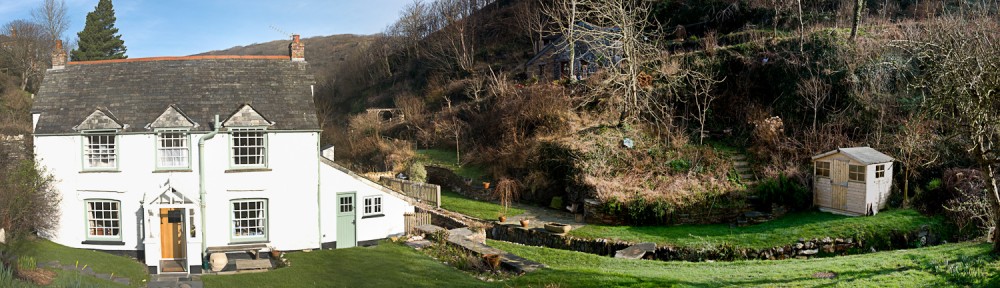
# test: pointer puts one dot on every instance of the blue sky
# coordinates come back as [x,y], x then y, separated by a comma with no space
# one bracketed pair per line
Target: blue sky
[185,27]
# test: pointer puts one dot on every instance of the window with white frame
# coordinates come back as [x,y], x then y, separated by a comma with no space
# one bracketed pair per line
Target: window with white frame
[103,220]
[880,171]
[823,168]
[249,147]
[249,220]
[100,150]
[856,173]
[172,149]
[373,205]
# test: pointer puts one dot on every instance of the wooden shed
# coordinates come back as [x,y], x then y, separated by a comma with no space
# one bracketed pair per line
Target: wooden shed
[852,181]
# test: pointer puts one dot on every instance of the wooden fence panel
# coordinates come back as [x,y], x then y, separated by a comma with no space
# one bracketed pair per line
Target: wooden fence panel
[429,193]
[412,220]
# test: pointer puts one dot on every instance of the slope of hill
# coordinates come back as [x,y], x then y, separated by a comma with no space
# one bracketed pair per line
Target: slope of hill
[324,53]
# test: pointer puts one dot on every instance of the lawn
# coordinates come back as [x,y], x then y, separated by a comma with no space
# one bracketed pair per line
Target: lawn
[782,231]
[385,265]
[391,265]
[446,159]
[474,208]
[962,264]
[44,251]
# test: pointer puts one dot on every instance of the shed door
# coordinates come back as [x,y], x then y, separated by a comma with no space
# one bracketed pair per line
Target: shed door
[839,184]
[346,223]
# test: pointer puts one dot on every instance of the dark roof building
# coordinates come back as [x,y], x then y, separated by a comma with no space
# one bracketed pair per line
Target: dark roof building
[139,95]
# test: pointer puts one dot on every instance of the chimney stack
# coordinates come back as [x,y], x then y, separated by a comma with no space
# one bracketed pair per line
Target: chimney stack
[59,56]
[297,49]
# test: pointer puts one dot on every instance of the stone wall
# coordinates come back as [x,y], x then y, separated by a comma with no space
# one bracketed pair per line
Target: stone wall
[442,218]
[803,248]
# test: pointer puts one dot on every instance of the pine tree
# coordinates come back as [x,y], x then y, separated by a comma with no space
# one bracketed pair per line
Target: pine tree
[99,39]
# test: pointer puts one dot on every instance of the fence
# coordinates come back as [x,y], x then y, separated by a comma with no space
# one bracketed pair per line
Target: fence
[428,193]
[412,220]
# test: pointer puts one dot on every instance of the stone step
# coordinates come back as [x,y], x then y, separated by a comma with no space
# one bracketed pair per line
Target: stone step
[741,163]
[742,170]
[739,157]
[637,251]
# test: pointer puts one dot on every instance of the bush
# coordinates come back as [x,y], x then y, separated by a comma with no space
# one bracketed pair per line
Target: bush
[28,203]
[969,205]
[417,172]
[785,191]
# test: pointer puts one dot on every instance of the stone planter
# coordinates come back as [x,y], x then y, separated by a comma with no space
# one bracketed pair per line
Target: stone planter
[557,228]
[219,261]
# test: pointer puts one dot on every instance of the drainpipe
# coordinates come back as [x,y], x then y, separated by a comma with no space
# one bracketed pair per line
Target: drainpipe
[201,184]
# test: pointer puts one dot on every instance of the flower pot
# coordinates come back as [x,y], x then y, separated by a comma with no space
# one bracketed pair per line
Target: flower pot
[486,185]
[557,228]
[502,218]
[275,253]
[219,261]
[524,223]
[492,260]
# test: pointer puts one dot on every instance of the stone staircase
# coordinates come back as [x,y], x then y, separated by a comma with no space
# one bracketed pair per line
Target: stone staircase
[742,166]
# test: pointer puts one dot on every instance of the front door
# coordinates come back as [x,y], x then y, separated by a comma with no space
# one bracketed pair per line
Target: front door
[172,239]
[839,184]
[346,225]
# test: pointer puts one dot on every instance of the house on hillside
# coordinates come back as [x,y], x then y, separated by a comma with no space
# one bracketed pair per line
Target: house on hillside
[852,181]
[173,159]
[552,62]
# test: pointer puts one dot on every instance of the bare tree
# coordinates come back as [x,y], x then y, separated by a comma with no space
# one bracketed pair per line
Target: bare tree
[531,21]
[859,6]
[700,87]
[25,51]
[814,91]
[915,143]
[960,74]
[52,17]
[565,15]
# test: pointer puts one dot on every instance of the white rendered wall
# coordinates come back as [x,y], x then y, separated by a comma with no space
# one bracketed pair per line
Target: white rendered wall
[335,181]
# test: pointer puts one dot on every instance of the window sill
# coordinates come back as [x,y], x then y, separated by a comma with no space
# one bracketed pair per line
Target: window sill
[242,170]
[233,243]
[171,170]
[100,171]
[372,216]
[103,242]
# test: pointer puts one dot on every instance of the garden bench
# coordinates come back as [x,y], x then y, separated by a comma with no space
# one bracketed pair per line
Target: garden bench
[253,249]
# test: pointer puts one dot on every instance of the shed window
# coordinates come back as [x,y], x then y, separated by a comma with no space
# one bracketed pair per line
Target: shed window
[823,168]
[856,173]
[373,205]
[880,171]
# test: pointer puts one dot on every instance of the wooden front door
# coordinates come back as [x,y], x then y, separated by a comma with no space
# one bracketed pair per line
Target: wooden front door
[839,184]
[346,224]
[172,233]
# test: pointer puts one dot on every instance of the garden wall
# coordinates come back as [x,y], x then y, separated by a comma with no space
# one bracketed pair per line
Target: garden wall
[802,248]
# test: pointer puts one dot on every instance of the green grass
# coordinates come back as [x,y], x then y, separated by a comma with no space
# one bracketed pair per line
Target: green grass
[391,265]
[782,231]
[385,265]
[963,264]
[446,159]
[479,209]
[45,251]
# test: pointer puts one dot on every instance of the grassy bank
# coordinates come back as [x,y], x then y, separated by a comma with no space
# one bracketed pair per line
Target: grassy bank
[782,231]
[479,209]
[45,251]
[447,159]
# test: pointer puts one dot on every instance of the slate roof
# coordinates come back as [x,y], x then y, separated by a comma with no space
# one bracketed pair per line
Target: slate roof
[865,155]
[137,91]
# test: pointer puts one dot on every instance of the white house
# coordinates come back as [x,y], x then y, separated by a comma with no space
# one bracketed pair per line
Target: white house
[852,181]
[167,158]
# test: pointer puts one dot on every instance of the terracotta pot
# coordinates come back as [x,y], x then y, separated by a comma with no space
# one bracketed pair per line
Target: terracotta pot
[493,260]
[502,218]
[557,228]
[275,253]
[524,223]
[486,185]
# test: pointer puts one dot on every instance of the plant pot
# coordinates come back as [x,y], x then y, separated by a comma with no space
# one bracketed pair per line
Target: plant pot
[502,218]
[492,260]
[486,185]
[524,223]
[275,253]
[219,261]
[557,228]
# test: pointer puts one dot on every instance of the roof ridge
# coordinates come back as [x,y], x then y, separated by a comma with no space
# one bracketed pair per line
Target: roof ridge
[181,58]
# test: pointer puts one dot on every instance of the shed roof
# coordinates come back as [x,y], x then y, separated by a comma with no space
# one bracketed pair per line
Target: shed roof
[138,91]
[865,155]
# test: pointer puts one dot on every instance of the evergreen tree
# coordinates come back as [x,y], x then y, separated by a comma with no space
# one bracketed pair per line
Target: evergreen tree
[99,39]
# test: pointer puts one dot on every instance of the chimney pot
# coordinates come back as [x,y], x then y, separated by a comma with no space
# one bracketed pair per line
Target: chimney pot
[297,49]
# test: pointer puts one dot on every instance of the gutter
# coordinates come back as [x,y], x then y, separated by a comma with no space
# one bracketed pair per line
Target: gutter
[201,184]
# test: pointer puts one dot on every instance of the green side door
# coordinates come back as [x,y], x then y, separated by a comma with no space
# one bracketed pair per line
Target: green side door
[346,223]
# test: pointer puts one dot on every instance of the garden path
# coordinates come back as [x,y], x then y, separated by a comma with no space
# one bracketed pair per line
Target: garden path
[537,216]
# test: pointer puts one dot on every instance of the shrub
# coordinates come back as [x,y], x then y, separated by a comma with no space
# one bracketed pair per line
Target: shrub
[417,172]
[785,191]
[969,207]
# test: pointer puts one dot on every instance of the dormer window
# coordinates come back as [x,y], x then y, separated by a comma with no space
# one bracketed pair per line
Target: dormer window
[100,150]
